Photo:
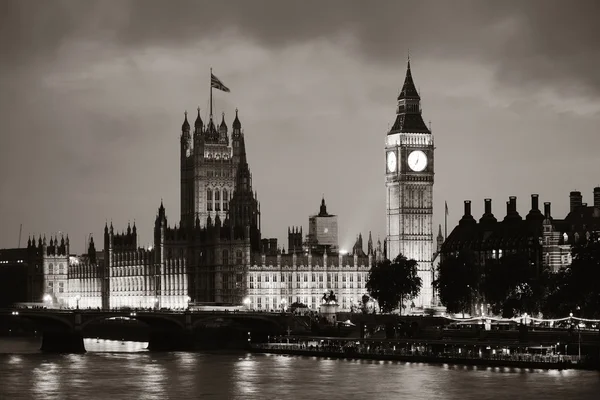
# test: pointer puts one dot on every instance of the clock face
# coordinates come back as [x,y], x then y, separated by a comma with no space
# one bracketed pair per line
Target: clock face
[417,161]
[325,230]
[391,161]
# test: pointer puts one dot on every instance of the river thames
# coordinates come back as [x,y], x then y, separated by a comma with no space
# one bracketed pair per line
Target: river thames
[125,370]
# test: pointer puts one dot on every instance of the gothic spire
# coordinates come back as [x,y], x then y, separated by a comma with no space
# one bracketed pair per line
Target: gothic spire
[323,208]
[236,122]
[223,124]
[198,124]
[186,125]
[408,112]
[409,90]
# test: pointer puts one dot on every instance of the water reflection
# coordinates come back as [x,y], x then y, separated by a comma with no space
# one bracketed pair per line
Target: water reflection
[46,379]
[112,370]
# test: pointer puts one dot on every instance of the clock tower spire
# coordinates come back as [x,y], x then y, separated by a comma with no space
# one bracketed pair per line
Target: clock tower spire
[409,187]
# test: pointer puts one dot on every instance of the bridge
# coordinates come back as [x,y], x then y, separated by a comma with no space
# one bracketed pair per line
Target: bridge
[62,330]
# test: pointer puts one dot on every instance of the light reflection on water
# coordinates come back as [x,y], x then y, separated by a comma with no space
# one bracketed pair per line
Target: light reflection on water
[112,370]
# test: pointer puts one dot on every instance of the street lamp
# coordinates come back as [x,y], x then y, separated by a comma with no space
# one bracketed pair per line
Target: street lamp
[187,301]
[77,298]
[247,302]
[156,303]
[47,300]
[283,302]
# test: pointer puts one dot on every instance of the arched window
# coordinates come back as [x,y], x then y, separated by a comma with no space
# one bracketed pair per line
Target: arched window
[50,268]
[209,200]
[238,257]
[225,200]
[217,200]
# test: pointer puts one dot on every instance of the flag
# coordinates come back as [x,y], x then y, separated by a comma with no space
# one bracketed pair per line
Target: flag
[446,207]
[217,84]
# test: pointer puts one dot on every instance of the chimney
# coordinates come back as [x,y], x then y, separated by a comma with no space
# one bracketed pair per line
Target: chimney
[512,200]
[487,216]
[547,212]
[467,218]
[575,200]
[467,208]
[535,201]
[597,197]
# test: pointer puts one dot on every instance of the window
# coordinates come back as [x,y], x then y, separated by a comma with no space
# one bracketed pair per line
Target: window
[217,200]
[225,257]
[51,287]
[50,268]
[225,200]
[209,202]
[239,257]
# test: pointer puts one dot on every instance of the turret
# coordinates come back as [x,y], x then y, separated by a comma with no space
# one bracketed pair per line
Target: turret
[237,125]
[92,251]
[440,239]
[198,125]
[370,245]
[223,138]
[243,207]
[185,127]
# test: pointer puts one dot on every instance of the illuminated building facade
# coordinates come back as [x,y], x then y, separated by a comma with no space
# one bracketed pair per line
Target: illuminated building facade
[409,167]
[215,254]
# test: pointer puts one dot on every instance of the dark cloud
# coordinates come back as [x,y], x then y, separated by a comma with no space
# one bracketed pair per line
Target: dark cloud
[91,101]
[533,42]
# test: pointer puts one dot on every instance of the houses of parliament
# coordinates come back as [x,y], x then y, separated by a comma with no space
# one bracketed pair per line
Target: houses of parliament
[215,253]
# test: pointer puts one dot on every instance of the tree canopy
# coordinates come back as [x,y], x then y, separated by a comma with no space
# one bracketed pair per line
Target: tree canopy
[513,285]
[575,288]
[393,282]
[458,279]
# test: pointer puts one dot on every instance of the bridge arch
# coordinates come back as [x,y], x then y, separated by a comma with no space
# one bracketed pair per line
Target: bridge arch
[147,318]
[42,319]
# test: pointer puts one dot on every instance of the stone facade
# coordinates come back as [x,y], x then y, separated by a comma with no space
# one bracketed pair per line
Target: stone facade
[409,160]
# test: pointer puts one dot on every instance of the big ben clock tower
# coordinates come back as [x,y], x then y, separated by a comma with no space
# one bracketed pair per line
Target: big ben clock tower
[409,188]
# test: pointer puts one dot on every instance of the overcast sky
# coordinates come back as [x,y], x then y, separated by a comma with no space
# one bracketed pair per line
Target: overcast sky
[92,95]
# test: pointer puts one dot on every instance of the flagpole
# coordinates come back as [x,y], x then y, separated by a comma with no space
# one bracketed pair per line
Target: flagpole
[211,103]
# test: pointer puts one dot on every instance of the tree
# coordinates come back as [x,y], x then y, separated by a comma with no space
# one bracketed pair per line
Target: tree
[513,285]
[393,282]
[575,288]
[457,282]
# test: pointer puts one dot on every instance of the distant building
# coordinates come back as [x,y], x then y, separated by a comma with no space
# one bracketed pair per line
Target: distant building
[37,271]
[546,241]
[560,235]
[323,231]
[14,268]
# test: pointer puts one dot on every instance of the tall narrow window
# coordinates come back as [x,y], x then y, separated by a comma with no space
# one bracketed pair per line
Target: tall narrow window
[217,200]
[225,200]
[225,257]
[209,200]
